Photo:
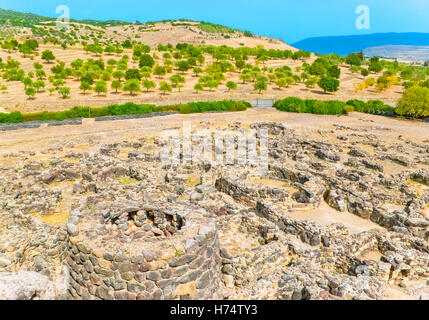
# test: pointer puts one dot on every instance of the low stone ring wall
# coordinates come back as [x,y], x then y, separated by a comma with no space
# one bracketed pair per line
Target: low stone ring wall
[184,266]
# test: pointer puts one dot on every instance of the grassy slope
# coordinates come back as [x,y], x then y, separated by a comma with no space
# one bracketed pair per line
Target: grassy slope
[30,20]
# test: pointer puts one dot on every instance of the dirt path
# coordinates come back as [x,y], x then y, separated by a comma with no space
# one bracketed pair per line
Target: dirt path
[325,215]
[40,138]
[309,125]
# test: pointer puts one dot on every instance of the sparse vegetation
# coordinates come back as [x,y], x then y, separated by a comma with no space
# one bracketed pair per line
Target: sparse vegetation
[333,107]
[170,67]
[126,109]
[414,103]
[48,56]
[298,105]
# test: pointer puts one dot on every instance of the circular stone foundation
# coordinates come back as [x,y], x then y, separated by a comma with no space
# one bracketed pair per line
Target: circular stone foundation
[185,264]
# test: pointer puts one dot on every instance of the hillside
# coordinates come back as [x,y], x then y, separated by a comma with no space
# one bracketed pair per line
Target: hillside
[93,63]
[343,45]
[29,20]
[22,25]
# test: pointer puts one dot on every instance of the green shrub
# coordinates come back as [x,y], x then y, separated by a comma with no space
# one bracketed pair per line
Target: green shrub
[331,107]
[128,108]
[349,109]
[291,104]
[378,107]
[213,106]
[13,117]
[414,103]
[358,105]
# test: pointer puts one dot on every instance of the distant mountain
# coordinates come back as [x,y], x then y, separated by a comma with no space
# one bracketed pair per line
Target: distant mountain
[344,45]
[402,53]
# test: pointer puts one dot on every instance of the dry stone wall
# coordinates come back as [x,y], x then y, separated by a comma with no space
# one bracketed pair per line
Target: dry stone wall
[185,266]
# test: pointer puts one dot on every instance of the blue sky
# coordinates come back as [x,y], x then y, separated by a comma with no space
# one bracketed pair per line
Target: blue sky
[291,20]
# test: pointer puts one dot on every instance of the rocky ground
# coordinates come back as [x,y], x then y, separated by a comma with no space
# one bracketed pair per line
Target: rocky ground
[341,213]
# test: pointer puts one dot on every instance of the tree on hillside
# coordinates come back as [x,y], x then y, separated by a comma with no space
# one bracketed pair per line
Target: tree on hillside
[201,59]
[37,66]
[212,84]
[48,56]
[30,92]
[183,66]
[132,86]
[9,46]
[58,83]
[166,55]
[64,92]
[106,75]
[109,49]
[27,82]
[177,80]
[25,50]
[133,74]
[159,71]
[100,87]
[146,75]
[281,82]
[148,84]
[317,69]
[40,74]
[127,44]
[96,49]
[329,84]
[231,85]
[85,86]
[165,87]
[118,50]
[334,72]
[116,85]
[146,61]
[240,64]
[311,82]
[198,87]
[118,75]
[77,64]
[197,71]
[245,76]
[39,84]
[354,59]
[261,85]
[414,103]
[375,66]
[364,72]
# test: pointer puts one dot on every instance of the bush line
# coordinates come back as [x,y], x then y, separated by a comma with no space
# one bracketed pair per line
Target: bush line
[128,108]
[333,107]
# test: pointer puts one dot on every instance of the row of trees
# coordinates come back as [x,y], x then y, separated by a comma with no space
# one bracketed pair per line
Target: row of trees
[324,71]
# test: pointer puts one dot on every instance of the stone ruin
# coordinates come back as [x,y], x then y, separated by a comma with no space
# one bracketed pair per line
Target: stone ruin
[139,229]
[130,252]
